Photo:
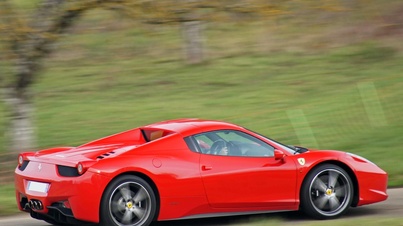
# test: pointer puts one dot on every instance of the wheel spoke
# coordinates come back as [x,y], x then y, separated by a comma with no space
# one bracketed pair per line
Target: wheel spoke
[341,191]
[140,196]
[321,201]
[125,192]
[139,212]
[333,176]
[320,185]
[127,217]
[334,203]
[118,206]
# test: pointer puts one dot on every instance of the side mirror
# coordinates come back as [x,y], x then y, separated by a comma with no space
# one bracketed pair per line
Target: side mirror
[279,155]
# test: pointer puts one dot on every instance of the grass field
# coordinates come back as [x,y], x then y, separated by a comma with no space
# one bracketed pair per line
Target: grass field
[7,199]
[318,101]
[268,77]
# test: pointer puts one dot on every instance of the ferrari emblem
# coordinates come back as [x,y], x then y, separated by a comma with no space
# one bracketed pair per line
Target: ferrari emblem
[301,161]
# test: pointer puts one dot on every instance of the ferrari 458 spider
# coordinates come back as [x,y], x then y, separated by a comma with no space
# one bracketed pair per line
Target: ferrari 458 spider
[190,168]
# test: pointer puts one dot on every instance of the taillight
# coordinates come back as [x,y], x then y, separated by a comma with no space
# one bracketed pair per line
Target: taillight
[20,160]
[82,167]
[23,160]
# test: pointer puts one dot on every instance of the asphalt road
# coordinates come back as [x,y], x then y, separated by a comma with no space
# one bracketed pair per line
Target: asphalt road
[392,207]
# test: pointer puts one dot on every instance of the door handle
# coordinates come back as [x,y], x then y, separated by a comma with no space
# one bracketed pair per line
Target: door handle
[204,168]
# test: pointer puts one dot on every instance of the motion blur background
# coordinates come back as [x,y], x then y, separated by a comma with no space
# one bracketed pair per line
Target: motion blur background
[320,74]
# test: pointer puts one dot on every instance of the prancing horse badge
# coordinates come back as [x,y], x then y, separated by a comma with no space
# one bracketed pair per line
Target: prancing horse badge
[301,161]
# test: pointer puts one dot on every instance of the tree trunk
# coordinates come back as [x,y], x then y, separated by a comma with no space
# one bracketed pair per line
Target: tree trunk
[49,21]
[20,132]
[193,38]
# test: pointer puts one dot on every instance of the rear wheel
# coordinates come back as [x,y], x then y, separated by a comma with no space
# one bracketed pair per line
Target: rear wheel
[327,192]
[128,201]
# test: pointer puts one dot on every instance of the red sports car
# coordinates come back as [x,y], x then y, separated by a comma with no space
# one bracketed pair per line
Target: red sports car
[190,168]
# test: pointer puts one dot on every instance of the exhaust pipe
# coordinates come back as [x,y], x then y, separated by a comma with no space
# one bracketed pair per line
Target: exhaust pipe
[27,206]
[36,204]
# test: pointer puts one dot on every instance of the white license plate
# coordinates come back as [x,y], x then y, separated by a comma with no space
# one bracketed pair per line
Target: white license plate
[38,187]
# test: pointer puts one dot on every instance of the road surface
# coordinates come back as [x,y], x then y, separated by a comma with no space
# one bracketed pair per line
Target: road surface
[392,207]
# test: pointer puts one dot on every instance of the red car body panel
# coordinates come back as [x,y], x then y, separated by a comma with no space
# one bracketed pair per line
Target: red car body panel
[188,184]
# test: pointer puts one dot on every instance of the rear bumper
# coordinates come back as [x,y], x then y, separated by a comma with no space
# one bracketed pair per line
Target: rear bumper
[66,197]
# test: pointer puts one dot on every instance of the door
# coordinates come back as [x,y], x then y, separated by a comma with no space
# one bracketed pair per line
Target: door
[247,175]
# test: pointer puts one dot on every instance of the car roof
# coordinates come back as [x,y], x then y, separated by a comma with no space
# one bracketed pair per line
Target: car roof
[189,126]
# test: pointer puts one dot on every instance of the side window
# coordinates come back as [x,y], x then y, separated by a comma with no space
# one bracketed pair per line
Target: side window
[204,143]
[232,143]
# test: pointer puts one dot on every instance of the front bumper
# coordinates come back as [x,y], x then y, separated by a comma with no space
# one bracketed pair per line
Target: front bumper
[372,187]
[64,198]
[372,180]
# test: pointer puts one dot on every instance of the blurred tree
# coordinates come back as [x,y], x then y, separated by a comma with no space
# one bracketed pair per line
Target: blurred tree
[192,34]
[29,40]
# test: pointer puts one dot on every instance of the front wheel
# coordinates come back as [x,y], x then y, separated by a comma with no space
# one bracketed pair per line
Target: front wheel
[327,192]
[128,201]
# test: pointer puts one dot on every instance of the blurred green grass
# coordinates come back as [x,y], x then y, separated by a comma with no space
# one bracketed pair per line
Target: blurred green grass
[79,103]
[104,79]
[8,205]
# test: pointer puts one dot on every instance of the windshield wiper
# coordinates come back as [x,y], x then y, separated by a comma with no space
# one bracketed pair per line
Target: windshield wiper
[298,149]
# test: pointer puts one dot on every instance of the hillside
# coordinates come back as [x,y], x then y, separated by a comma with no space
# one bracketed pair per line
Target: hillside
[329,80]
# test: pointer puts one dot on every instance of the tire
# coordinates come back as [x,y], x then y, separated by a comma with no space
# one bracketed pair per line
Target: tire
[327,192]
[128,201]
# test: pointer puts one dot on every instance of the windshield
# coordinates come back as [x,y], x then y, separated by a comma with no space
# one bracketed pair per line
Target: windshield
[283,146]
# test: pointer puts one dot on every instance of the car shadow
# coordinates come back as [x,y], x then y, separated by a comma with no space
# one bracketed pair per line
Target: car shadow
[233,220]
[362,212]
[294,216]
